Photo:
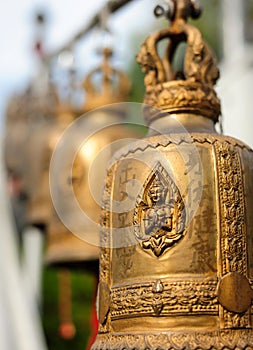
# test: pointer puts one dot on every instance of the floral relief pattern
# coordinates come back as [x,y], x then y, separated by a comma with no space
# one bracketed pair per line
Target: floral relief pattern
[165,298]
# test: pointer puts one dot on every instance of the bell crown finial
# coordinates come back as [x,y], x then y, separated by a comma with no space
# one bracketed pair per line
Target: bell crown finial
[187,91]
[113,86]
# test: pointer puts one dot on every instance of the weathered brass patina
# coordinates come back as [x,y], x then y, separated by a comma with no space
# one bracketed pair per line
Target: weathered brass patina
[176,266]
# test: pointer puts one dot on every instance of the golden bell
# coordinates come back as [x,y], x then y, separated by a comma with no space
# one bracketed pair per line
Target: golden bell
[176,260]
[26,116]
[63,248]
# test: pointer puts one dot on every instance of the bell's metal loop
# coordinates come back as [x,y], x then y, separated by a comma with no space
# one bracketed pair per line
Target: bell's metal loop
[178,9]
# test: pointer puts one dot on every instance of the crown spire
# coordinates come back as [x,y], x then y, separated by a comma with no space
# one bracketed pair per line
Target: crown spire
[187,91]
[113,86]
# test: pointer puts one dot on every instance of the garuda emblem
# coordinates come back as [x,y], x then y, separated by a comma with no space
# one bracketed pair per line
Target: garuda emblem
[160,215]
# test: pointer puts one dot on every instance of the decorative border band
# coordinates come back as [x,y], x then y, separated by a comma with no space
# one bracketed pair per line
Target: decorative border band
[229,340]
[233,241]
[165,298]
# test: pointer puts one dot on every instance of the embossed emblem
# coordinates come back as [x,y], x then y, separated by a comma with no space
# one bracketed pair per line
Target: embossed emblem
[160,215]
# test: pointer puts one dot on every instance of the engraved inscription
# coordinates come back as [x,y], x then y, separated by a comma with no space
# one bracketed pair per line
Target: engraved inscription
[204,249]
[124,260]
[126,175]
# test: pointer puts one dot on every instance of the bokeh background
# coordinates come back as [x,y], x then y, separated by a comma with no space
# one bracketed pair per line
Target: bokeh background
[226,25]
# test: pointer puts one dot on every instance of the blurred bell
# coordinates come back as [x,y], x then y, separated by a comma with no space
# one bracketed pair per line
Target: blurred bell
[76,203]
[49,119]
[15,133]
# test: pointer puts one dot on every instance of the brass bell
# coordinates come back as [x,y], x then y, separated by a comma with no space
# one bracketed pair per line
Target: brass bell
[176,262]
[63,248]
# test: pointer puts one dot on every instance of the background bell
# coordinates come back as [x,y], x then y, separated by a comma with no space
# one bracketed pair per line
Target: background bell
[82,160]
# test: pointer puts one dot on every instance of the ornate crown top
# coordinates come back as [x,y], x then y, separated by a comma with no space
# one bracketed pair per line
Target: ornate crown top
[189,91]
[113,88]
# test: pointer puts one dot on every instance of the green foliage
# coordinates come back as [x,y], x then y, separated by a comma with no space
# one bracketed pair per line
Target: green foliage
[138,88]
